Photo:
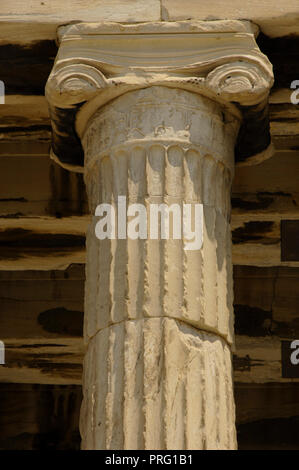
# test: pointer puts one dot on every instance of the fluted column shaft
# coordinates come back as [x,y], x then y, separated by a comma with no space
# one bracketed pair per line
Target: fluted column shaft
[158,317]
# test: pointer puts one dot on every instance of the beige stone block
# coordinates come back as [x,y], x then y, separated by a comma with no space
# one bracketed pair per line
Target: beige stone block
[274,18]
[81,10]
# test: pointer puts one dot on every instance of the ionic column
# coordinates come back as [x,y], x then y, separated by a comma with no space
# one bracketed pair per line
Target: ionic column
[159,128]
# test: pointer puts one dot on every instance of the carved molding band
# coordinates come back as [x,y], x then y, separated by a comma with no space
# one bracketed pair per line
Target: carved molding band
[173,115]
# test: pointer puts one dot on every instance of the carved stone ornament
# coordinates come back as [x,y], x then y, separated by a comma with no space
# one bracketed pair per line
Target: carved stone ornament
[98,62]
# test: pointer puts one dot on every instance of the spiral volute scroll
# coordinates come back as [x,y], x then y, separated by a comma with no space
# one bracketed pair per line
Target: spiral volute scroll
[242,82]
[74,83]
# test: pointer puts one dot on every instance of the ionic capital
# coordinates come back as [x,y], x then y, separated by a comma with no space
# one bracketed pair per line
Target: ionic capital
[98,62]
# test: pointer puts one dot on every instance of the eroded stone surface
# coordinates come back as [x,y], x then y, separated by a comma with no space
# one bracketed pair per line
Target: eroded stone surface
[158,318]
[161,145]
[157,384]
